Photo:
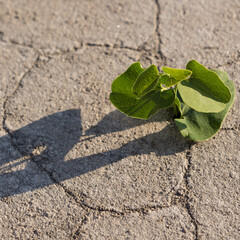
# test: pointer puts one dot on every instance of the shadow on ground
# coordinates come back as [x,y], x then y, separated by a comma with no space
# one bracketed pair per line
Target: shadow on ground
[49,140]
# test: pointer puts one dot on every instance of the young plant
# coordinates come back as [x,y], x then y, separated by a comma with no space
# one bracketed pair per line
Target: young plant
[201,98]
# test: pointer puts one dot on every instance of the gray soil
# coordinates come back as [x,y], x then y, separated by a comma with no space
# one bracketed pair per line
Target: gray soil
[74,167]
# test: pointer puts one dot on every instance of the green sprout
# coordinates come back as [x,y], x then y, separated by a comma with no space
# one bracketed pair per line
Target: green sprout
[201,98]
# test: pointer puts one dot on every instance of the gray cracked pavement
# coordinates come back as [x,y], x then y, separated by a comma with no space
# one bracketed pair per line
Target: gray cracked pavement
[71,165]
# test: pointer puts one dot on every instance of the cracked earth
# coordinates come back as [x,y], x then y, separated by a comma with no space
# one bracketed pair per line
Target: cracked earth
[73,167]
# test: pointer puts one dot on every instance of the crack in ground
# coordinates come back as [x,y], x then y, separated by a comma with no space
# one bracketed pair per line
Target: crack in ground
[114,213]
[186,197]
[4,107]
[40,51]
[18,84]
[87,207]
[4,118]
[16,43]
[157,31]
[115,46]
[229,128]
[62,52]
[77,232]
[144,53]
[126,211]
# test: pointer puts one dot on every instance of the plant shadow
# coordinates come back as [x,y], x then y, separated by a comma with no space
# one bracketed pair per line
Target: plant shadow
[48,141]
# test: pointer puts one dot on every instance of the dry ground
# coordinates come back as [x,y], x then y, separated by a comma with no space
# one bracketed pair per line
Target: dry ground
[73,167]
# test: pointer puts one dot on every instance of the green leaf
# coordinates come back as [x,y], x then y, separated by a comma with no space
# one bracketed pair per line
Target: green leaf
[144,107]
[166,80]
[209,81]
[199,126]
[146,81]
[151,99]
[153,86]
[177,107]
[204,91]
[124,83]
[176,75]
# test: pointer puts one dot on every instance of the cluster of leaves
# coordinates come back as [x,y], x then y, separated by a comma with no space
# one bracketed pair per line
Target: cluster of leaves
[201,98]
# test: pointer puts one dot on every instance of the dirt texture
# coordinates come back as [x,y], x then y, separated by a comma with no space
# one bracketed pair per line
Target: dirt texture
[74,167]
